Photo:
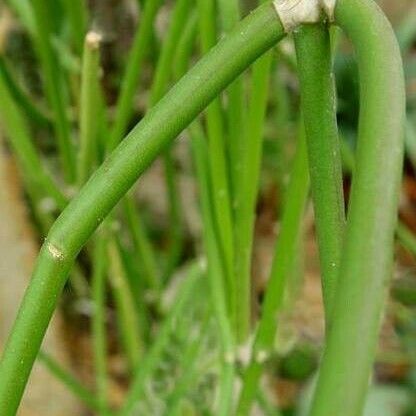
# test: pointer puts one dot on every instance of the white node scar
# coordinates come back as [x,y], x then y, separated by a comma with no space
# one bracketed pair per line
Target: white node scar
[293,13]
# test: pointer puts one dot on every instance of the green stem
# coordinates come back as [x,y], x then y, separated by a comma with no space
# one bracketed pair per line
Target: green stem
[77,13]
[261,30]
[17,131]
[128,323]
[219,169]
[73,385]
[99,321]
[215,271]
[246,192]
[162,75]
[366,262]
[141,244]
[132,73]
[153,355]
[229,12]
[54,87]
[317,87]
[88,106]
[34,112]
[284,258]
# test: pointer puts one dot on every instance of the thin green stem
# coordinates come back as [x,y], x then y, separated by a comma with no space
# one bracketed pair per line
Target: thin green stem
[31,109]
[17,132]
[162,76]
[88,121]
[73,385]
[77,13]
[99,337]
[133,71]
[153,355]
[218,167]
[284,258]
[128,323]
[215,270]
[54,87]
[141,244]
[372,215]
[317,87]
[262,29]
[229,11]
[249,160]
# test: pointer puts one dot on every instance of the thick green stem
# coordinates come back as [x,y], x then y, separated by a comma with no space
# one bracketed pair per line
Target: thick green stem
[319,112]
[250,39]
[366,262]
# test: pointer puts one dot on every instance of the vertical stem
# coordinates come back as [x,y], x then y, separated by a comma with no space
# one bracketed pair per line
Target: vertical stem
[218,168]
[89,104]
[366,262]
[132,73]
[126,311]
[284,258]
[54,86]
[249,160]
[99,321]
[318,102]
[162,76]
[141,244]
[77,13]
[229,12]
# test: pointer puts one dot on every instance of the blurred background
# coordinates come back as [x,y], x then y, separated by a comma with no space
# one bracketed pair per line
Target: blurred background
[24,223]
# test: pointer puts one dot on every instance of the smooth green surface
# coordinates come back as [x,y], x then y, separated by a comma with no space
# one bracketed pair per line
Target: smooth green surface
[88,123]
[366,263]
[318,103]
[251,38]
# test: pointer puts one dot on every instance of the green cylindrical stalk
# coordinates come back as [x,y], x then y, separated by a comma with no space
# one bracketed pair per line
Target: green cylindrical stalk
[88,108]
[366,263]
[319,112]
[250,39]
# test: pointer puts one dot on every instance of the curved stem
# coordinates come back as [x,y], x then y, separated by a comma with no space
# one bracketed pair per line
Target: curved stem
[325,167]
[251,38]
[366,262]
